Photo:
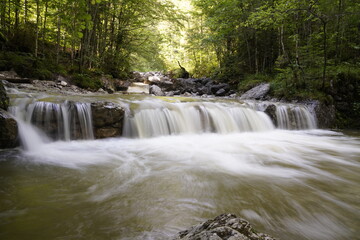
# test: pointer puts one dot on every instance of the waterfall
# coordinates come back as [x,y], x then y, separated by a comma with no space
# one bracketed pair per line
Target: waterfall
[58,121]
[151,117]
[156,119]
[294,117]
[287,116]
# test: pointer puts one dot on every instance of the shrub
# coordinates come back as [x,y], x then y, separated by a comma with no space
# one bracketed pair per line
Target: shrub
[87,82]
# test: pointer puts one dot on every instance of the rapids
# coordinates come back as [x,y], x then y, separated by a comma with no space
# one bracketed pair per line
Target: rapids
[156,181]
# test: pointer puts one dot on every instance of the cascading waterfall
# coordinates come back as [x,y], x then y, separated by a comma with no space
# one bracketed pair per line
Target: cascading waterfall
[59,121]
[294,117]
[196,117]
[73,120]
[288,116]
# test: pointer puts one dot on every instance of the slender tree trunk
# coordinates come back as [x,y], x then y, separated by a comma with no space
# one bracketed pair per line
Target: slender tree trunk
[338,23]
[3,15]
[325,53]
[25,11]
[256,54]
[58,38]
[44,24]
[17,14]
[37,27]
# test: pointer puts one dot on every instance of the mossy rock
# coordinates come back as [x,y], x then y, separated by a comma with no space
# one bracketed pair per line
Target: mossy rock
[4,100]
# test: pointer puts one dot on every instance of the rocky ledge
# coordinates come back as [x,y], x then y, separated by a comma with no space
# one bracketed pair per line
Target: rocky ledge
[8,131]
[225,226]
[107,119]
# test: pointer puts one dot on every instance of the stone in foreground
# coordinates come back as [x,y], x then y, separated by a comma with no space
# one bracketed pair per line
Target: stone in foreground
[8,131]
[225,226]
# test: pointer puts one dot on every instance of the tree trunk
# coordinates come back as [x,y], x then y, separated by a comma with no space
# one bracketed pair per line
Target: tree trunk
[44,25]
[3,15]
[17,14]
[25,10]
[37,28]
[337,40]
[58,38]
[325,54]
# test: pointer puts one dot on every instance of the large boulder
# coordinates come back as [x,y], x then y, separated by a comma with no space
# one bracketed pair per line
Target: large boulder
[225,226]
[325,114]
[156,90]
[259,92]
[8,131]
[107,119]
[4,100]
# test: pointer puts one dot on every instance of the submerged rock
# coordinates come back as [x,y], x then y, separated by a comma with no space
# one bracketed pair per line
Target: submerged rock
[225,226]
[107,119]
[8,131]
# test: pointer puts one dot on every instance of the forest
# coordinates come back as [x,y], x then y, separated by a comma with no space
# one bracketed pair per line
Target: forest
[304,48]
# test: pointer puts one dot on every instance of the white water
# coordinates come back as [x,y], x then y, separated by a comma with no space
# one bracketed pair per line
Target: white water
[64,121]
[292,184]
[161,118]
[189,161]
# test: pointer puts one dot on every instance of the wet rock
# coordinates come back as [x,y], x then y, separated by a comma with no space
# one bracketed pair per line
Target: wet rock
[107,119]
[4,100]
[325,114]
[259,92]
[8,131]
[271,112]
[225,226]
[156,90]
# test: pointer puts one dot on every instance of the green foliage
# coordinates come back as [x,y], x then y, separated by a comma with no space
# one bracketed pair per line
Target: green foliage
[86,81]
[252,80]
[26,65]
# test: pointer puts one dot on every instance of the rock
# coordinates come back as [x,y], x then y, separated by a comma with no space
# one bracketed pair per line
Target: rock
[257,93]
[225,226]
[169,94]
[107,119]
[100,90]
[221,92]
[108,83]
[4,100]
[8,131]
[12,77]
[325,114]
[156,90]
[63,83]
[121,85]
[154,79]
[217,87]
[271,112]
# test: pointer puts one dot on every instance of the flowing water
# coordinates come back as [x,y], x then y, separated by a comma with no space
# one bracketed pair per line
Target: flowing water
[178,164]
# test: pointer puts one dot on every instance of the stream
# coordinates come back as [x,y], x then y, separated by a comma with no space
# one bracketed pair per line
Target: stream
[212,157]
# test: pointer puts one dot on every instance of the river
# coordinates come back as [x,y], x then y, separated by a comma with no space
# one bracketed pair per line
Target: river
[292,184]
